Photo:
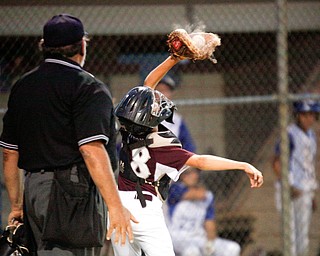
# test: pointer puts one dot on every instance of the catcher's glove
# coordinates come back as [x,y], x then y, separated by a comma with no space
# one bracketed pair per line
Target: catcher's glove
[13,241]
[194,46]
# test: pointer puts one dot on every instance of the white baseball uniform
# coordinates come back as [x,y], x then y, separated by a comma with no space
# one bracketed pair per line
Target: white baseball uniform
[186,226]
[303,147]
[145,172]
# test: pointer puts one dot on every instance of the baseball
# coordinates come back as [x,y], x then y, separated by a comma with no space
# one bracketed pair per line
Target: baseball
[199,41]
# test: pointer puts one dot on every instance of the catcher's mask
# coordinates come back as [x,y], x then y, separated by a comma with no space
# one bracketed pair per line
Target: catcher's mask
[144,107]
[135,129]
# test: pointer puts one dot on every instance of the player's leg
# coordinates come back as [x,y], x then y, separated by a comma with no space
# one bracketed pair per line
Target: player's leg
[225,247]
[185,244]
[129,249]
[191,250]
[155,239]
[126,250]
[303,212]
[151,232]
[277,196]
[278,203]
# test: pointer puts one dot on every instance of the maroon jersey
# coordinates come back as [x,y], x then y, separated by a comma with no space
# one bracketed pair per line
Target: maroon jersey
[157,159]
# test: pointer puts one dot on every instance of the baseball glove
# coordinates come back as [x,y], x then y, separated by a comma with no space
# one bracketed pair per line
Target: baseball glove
[13,241]
[194,46]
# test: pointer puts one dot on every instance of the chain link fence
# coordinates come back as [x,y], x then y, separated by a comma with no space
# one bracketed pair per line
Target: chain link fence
[231,107]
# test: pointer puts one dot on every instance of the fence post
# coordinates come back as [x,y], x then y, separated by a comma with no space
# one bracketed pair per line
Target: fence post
[282,50]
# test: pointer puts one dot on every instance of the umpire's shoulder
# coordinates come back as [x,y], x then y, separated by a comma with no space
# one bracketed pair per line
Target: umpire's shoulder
[90,80]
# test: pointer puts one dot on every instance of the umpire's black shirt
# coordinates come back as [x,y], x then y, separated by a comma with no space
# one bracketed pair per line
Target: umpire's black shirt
[54,109]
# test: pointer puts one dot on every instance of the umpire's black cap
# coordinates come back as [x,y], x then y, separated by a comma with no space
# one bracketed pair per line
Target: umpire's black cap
[62,30]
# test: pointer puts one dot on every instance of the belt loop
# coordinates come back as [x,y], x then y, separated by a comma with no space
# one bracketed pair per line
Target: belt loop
[74,174]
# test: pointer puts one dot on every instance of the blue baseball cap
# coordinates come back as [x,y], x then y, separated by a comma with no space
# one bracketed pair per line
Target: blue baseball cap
[62,30]
[169,81]
[306,106]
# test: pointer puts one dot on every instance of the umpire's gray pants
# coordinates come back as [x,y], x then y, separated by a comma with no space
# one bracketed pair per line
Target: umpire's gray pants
[37,194]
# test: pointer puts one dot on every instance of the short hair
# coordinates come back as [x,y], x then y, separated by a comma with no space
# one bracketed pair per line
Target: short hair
[66,51]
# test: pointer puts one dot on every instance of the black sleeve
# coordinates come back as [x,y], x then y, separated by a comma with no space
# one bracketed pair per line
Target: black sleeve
[9,136]
[93,113]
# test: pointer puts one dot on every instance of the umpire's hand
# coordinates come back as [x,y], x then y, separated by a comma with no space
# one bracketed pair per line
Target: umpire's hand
[120,222]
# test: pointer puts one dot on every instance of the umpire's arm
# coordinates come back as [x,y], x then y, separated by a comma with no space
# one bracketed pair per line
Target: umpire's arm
[13,180]
[99,166]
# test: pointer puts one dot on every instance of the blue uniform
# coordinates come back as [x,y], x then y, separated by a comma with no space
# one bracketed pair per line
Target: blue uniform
[180,129]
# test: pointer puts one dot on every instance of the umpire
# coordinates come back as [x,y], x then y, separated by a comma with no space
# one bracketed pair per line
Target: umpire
[60,129]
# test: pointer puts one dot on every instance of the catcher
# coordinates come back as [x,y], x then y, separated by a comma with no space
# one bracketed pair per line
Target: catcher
[151,156]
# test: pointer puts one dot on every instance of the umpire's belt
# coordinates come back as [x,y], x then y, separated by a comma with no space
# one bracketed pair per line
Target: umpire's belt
[52,169]
[41,170]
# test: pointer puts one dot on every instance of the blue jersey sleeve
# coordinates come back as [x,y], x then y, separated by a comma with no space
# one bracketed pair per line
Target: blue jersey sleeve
[210,215]
[176,192]
[185,138]
[291,145]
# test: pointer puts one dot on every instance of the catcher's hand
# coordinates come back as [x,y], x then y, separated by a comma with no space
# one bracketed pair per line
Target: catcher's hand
[194,46]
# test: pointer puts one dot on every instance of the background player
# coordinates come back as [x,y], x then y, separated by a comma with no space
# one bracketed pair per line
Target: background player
[168,86]
[302,178]
[191,219]
[150,157]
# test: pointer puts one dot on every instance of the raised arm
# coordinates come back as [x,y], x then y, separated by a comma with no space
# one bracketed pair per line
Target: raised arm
[159,72]
[276,167]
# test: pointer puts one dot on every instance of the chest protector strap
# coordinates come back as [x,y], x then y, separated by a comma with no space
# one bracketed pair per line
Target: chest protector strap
[140,194]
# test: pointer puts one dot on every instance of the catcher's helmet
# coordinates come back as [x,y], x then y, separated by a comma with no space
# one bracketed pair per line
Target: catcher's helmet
[144,107]
[306,106]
